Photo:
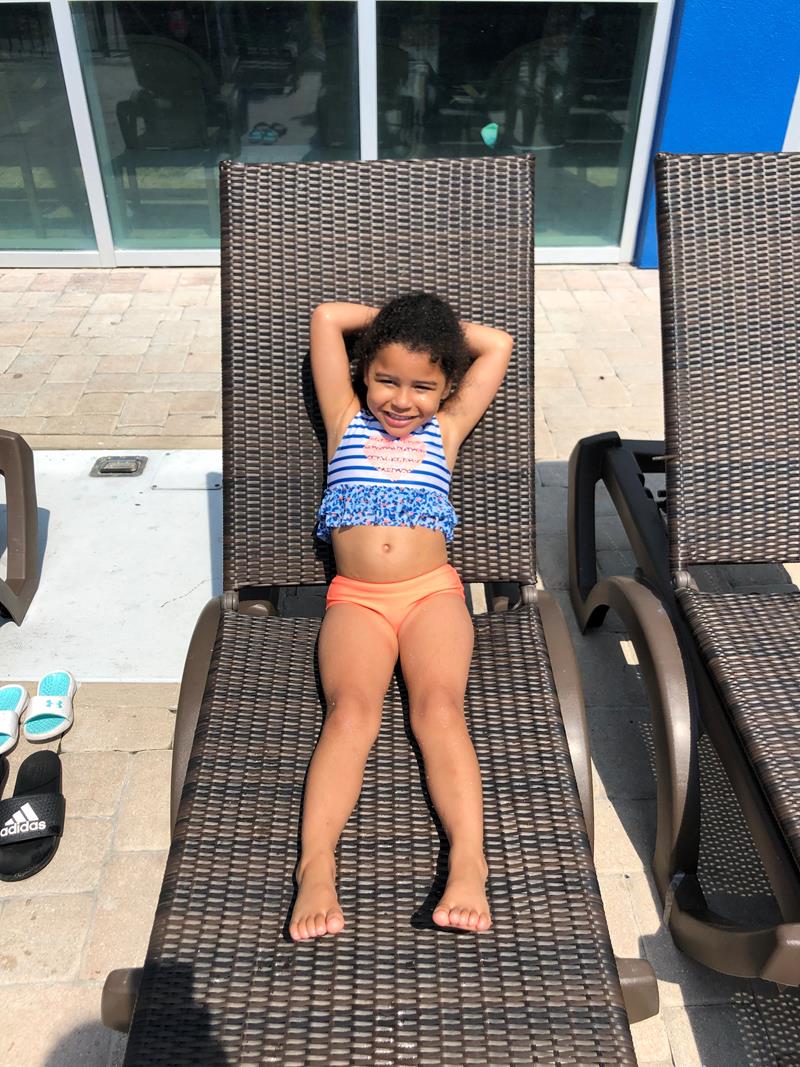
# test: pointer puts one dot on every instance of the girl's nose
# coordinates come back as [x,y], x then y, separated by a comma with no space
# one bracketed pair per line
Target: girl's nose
[402,401]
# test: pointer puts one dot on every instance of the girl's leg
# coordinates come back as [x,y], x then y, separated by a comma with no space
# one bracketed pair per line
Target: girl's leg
[357,654]
[435,653]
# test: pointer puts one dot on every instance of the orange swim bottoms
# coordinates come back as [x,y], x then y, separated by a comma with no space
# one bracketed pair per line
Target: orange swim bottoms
[394,600]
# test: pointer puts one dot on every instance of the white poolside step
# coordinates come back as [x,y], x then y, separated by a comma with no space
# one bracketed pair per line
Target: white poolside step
[128,564]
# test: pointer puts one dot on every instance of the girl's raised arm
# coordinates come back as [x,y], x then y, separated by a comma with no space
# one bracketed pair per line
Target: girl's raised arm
[491,352]
[330,367]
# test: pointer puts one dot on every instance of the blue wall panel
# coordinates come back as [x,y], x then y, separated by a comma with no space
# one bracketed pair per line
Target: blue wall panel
[729,85]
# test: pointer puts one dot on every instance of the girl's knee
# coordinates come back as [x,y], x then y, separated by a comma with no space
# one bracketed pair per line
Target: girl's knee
[353,714]
[437,711]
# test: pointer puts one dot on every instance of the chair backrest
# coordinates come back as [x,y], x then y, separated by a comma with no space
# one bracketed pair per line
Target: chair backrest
[170,70]
[729,244]
[297,234]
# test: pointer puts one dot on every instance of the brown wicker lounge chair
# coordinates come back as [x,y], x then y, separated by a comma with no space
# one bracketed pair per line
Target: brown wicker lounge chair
[222,982]
[723,663]
[22,561]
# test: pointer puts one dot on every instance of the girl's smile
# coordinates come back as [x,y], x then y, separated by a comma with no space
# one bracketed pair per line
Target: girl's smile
[404,388]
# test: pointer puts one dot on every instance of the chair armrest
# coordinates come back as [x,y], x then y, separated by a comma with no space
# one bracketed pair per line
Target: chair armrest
[674,724]
[566,676]
[193,687]
[195,678]
[620,465]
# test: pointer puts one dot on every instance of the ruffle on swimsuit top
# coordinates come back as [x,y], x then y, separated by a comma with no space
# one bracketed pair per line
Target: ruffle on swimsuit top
[385,505]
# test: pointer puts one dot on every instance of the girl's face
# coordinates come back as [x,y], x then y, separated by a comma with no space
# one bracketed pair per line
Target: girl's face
[404,389]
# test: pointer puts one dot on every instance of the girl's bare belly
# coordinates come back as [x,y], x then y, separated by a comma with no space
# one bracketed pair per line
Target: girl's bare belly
[387,553]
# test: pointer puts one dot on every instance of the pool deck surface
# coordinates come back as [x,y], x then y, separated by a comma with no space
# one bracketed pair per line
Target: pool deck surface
[97,361]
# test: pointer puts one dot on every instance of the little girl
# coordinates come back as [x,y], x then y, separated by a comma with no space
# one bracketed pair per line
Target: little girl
[428,379]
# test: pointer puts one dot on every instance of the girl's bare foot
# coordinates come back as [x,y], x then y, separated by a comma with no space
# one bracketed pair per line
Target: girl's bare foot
[464,904]
[316,910]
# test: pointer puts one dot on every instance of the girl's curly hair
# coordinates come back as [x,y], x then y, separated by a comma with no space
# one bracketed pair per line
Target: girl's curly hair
[422,322]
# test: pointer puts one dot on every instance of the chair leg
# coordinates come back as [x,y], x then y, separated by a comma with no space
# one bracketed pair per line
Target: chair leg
[637,980]
[118,998]
[133,184]
[32,196]
[22,572]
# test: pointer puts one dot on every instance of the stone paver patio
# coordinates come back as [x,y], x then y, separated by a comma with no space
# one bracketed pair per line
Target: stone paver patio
[88,355]
[131,358]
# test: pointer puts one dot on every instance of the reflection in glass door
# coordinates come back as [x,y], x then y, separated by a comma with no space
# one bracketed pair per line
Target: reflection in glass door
[561,81]
[43,201]
[174,88]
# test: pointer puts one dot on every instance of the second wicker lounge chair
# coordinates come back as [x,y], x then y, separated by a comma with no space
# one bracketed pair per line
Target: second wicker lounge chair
[724,663]
[222,982]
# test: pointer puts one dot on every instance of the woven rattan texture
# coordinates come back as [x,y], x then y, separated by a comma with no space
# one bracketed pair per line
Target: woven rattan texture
[223,985]
[729,240]
[751,642]
[293,236]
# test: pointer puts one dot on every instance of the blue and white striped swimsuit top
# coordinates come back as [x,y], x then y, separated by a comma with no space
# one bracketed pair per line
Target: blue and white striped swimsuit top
[375,479]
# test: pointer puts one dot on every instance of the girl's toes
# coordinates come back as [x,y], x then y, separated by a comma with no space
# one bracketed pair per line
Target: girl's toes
[441,916]
[319,924]
[484,922]
[335,922]
[473,920]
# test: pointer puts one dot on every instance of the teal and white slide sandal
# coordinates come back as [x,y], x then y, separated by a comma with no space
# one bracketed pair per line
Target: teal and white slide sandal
[49,713]
[13,700]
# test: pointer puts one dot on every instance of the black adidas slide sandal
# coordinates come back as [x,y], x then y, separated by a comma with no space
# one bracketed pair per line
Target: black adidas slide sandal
[32,819]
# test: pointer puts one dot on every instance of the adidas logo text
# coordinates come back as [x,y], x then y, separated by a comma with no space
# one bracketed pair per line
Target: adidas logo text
[22,821]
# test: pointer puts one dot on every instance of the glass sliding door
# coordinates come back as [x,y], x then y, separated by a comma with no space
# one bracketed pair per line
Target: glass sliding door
[174,88]
[43,201]
[560,80]
[150,95]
